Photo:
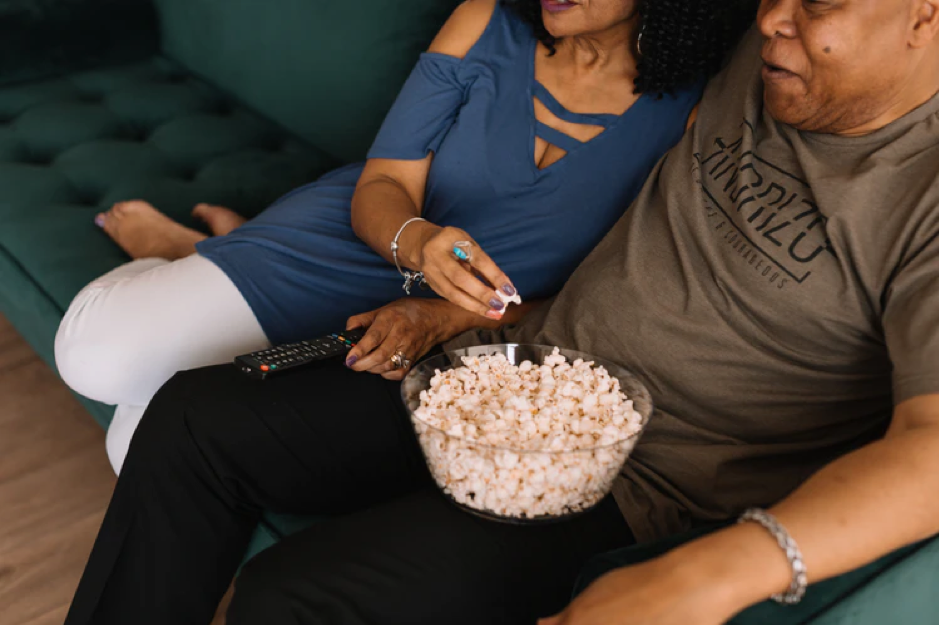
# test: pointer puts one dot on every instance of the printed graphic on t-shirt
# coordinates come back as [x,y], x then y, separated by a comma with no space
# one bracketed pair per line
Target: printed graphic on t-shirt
[767,215]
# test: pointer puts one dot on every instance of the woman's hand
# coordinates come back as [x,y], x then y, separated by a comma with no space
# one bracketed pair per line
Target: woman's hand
[455,279]
[410,326]
[652,593]
[413,326]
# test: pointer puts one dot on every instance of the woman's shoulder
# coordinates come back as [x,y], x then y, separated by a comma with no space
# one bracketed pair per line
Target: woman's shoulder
[482,28]
[465,28]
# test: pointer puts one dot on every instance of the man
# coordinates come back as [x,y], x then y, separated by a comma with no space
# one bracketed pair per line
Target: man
[776,285]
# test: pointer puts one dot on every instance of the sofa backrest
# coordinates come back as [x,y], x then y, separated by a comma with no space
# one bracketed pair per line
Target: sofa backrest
[327,70]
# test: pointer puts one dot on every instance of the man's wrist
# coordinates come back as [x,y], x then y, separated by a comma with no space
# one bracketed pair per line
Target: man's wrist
[742,565]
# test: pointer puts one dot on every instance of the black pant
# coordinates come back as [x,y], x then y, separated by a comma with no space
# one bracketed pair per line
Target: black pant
[216,449]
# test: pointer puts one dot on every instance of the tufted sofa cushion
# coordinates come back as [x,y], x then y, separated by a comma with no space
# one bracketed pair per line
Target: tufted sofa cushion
[329,71]
[74,145]
[42,38]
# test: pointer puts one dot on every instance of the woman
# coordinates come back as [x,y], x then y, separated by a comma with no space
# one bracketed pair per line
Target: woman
[478,144]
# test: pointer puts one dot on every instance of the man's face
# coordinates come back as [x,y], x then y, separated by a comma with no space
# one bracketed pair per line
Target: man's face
[832,66]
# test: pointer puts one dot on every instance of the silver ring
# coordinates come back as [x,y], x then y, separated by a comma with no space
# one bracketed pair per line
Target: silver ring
[463,250]
[400,361]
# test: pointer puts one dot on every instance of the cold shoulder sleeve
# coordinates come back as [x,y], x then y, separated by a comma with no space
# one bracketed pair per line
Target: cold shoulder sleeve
[425,109]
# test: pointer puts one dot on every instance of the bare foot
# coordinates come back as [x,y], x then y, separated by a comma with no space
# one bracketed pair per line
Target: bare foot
[145,232]
[220,220]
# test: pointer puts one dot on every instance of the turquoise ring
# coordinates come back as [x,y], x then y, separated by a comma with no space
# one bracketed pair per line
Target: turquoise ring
[463,250]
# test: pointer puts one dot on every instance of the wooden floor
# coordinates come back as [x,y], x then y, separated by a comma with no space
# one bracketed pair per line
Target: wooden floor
[55,483]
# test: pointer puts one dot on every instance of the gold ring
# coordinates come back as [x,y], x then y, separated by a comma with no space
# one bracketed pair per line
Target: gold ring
[400,361]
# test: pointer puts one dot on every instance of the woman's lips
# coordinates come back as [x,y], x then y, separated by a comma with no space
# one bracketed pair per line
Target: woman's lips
[556,6]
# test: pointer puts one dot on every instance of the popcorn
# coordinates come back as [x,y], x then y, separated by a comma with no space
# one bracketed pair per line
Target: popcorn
[514,299]
[526,441]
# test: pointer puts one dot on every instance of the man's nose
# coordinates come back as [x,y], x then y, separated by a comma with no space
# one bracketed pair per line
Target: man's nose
[776,18]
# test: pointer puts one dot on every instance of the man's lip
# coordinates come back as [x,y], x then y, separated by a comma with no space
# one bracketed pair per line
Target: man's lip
[777,69]
[775,66]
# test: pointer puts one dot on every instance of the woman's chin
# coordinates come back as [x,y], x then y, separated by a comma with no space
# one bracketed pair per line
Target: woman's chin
[558,31]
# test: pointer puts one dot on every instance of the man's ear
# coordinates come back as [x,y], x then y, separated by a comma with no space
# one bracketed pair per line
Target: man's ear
[925,29]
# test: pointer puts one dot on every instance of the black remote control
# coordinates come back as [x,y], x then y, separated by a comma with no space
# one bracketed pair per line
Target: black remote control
[283,358]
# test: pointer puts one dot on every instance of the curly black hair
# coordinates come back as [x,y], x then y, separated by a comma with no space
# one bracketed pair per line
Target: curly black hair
[683,41]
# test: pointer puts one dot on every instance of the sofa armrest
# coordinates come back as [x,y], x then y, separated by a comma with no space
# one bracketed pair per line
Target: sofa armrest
[42,38]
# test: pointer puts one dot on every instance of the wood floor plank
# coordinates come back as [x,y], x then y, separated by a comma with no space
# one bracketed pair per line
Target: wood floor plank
[44,572]
[47,501]
[55,616]
[13,350]
[55,484]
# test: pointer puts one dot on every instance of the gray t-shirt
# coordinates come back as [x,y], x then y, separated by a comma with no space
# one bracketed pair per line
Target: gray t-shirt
[778,291]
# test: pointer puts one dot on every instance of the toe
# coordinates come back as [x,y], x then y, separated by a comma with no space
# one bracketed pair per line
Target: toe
[100,220]
[112,222]
[137,206]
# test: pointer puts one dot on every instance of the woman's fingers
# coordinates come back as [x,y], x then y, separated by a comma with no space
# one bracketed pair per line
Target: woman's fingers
[485,298]
[468,273]
[454,281]
[482,263]
[378,358]
[361,321]
[395,376]
[459,297]
[366,345]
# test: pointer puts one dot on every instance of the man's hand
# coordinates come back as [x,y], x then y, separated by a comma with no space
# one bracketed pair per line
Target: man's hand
[652,593]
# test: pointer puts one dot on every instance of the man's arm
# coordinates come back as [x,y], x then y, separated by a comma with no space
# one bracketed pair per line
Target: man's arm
[859,508]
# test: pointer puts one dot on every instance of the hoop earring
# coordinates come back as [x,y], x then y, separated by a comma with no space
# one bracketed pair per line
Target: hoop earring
[639,41]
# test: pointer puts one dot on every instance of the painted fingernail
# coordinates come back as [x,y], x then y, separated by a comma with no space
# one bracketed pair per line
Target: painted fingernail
[99,221]
[509,290]
[494,315]
[496,304]
[351,361]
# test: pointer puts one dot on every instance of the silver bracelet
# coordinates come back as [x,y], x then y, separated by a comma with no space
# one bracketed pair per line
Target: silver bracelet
[410,277]
[800,580]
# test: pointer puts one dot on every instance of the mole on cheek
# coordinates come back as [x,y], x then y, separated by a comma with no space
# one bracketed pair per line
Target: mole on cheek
[827,49]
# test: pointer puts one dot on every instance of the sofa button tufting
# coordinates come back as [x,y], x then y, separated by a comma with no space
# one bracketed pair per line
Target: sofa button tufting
[39,160]
[189,175]
[91,98]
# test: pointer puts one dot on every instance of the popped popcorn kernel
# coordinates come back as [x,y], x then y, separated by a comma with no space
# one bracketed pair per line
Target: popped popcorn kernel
[526,441]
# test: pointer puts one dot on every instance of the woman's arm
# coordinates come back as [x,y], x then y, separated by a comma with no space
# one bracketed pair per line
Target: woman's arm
[390,192]
[857,509]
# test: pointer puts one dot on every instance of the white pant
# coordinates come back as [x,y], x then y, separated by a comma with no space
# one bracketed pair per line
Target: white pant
[128,332]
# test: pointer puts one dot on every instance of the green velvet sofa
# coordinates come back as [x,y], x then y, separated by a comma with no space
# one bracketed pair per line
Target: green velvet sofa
[232,102]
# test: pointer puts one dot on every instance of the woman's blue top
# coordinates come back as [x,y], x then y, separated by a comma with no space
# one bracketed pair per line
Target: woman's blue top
[302,269]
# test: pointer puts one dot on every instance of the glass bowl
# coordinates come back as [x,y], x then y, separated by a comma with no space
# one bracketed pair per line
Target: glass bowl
[515,485]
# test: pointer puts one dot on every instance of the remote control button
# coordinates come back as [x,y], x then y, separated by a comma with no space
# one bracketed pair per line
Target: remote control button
[265,368]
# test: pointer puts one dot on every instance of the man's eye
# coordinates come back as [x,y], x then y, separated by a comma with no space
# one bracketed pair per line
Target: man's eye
[816,5]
